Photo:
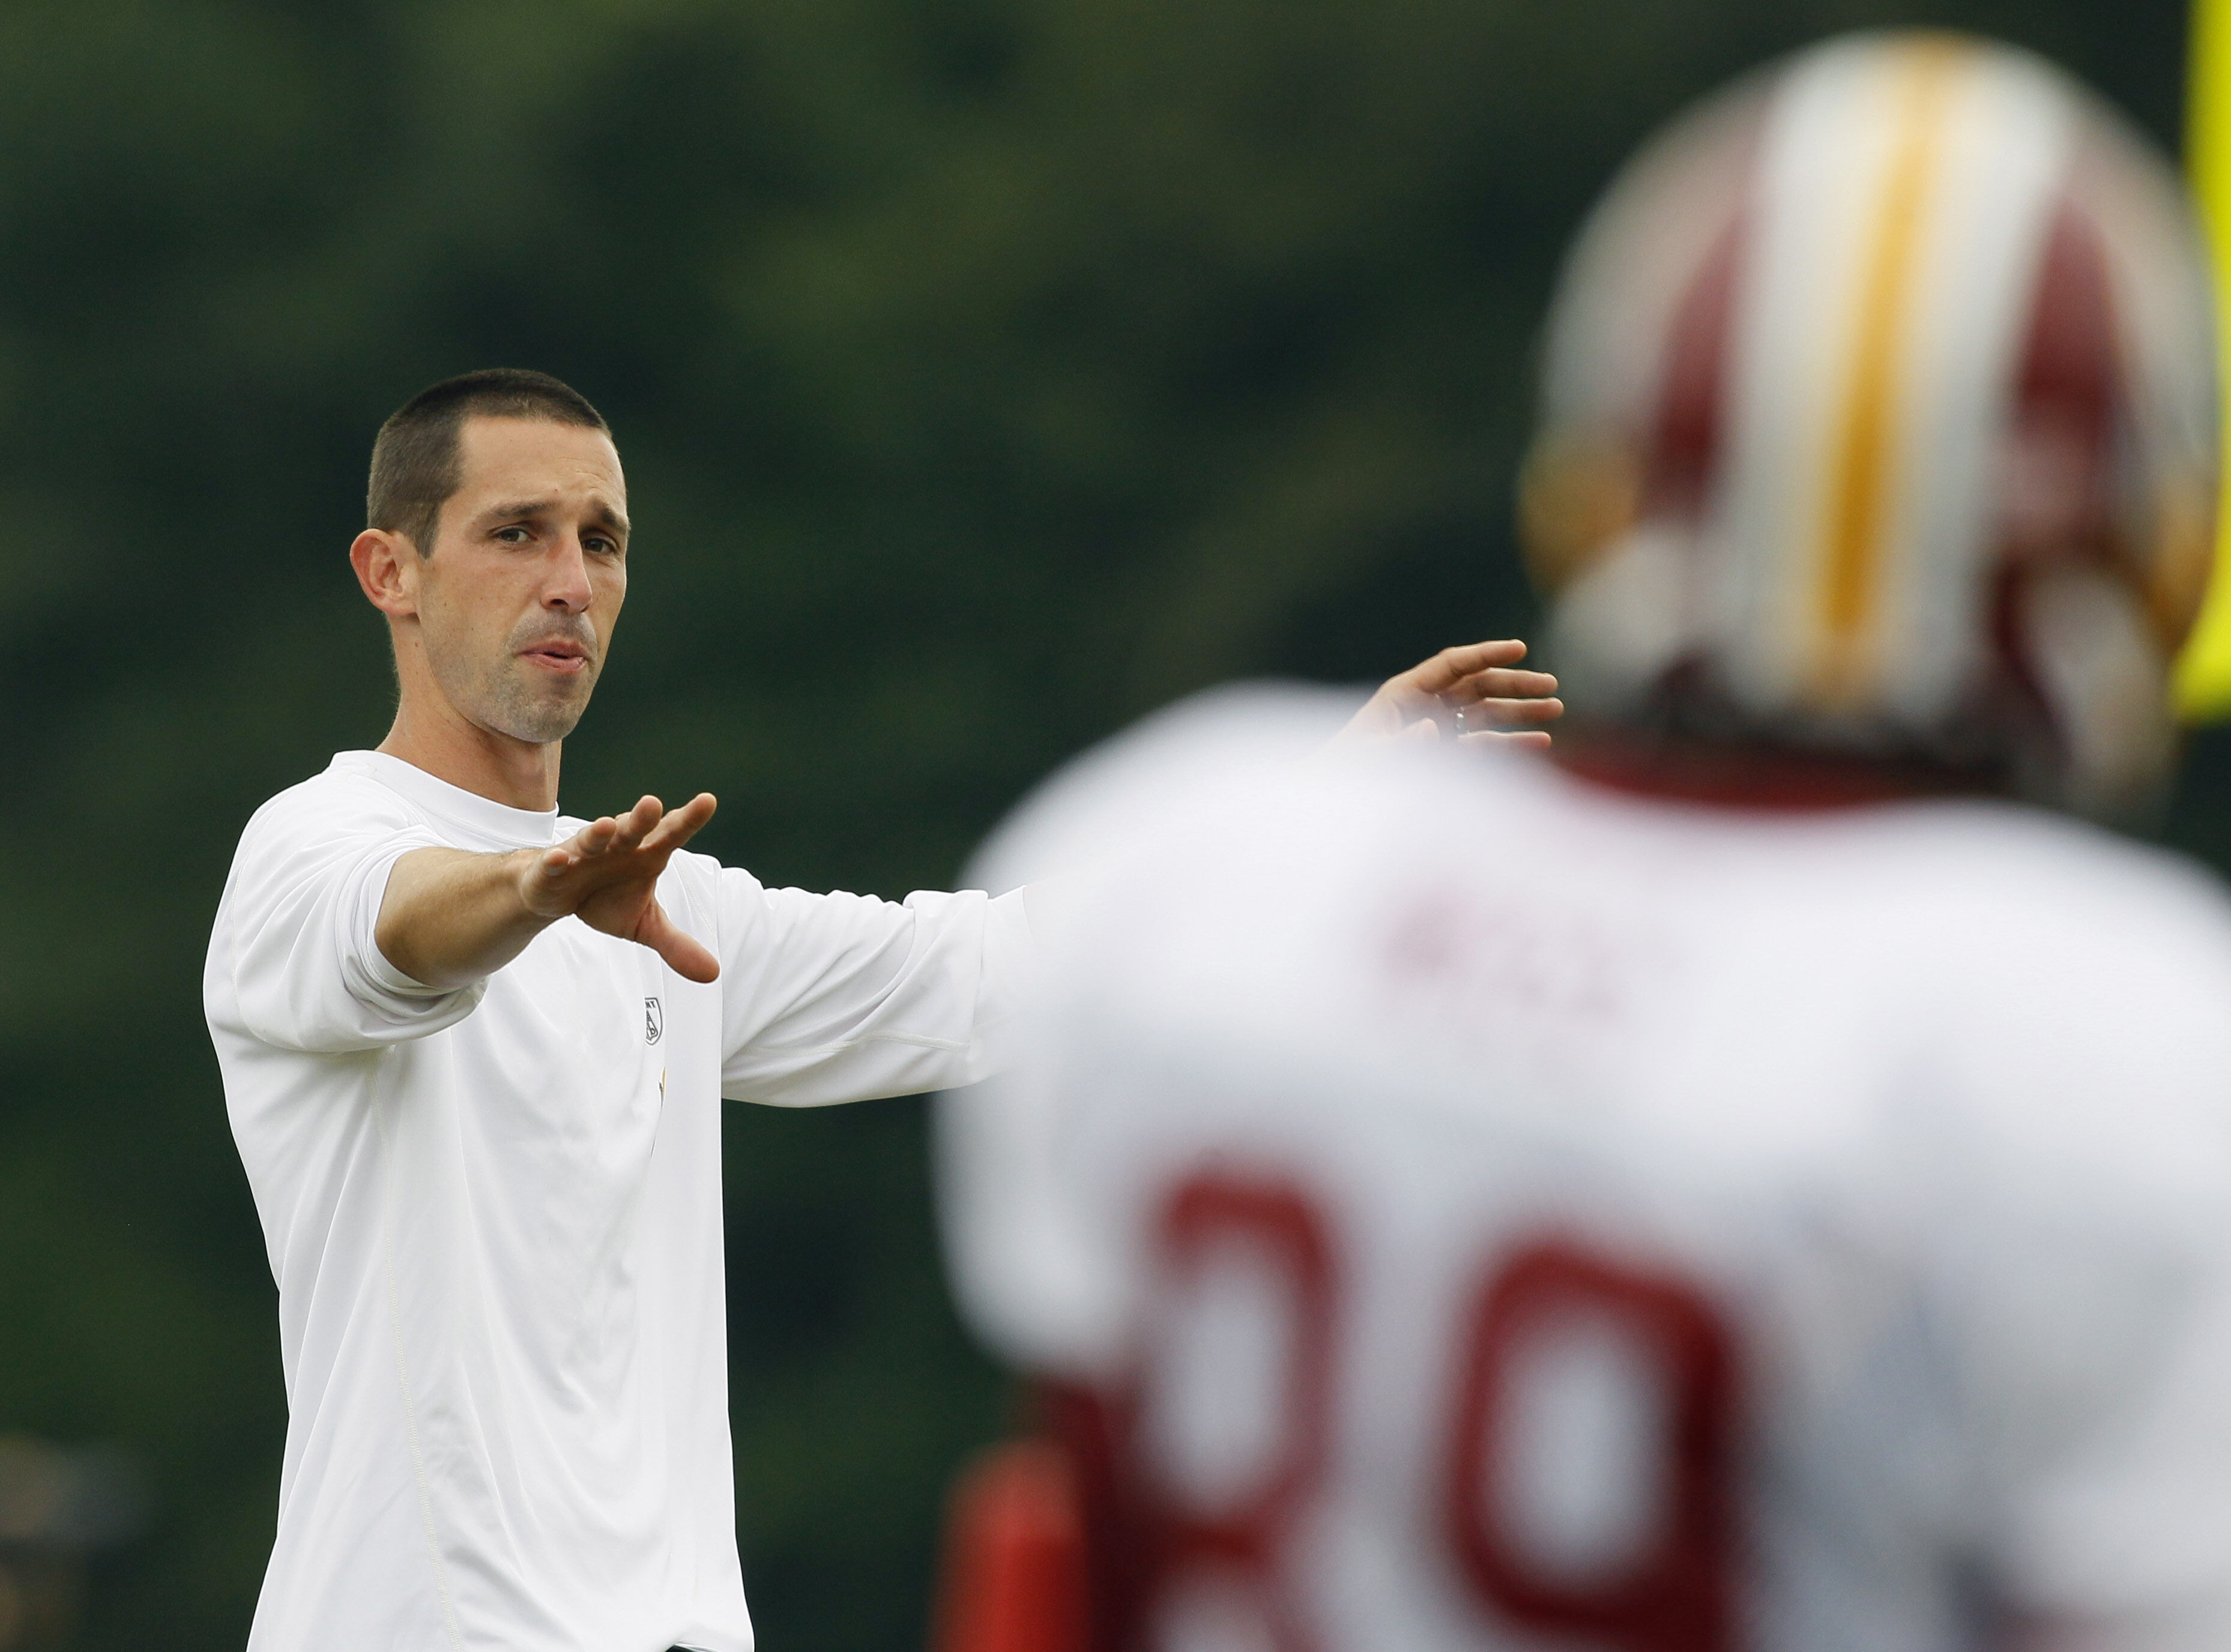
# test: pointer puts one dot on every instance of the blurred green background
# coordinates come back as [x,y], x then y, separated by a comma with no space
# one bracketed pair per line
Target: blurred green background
[987,372]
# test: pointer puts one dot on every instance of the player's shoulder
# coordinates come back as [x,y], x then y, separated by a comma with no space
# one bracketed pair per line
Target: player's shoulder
[1231,833]
[696,882]
[1211,761]
[2081,1008]
[2074,986]
[1977,887]
[347,795]
[2009,879]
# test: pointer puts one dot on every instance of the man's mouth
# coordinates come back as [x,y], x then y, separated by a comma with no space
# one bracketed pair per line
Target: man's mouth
[557,654]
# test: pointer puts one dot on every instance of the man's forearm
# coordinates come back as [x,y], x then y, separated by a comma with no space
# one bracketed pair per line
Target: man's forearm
[450,918]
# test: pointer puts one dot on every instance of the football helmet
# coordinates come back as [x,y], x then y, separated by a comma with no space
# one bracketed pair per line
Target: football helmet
[1879,419]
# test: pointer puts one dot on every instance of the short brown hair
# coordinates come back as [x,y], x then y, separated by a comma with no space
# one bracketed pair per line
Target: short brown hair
[415,466]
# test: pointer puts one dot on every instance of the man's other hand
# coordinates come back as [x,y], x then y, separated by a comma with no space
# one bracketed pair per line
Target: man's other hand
[606,875]
[1469,693]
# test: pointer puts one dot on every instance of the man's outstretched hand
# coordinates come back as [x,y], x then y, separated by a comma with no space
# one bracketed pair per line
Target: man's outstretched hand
[448,918]
[1470,694]
[606,875]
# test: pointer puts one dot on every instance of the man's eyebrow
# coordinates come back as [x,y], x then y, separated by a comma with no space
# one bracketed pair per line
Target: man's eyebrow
[601,514]
[513,508]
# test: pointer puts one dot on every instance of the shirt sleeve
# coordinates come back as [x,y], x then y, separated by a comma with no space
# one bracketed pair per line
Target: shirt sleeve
[842,998]
[297,921]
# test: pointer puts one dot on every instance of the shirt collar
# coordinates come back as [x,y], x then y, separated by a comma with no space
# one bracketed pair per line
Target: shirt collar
[467,815]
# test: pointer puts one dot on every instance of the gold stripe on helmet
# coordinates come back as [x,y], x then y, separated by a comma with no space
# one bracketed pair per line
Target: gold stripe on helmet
[1861,469]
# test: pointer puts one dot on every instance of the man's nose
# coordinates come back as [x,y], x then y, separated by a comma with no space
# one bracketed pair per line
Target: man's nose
[566,585]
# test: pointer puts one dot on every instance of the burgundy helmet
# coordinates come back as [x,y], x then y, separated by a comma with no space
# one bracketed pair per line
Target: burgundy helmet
[1879,419]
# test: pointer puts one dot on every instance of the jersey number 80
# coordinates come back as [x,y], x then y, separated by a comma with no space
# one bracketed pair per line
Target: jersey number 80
[1583,1482]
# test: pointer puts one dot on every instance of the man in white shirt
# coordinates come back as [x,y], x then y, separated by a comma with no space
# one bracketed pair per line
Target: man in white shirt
[1760,1182]
[484,1139]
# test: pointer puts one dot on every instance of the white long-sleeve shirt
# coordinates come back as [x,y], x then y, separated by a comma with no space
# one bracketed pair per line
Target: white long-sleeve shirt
[493,1214]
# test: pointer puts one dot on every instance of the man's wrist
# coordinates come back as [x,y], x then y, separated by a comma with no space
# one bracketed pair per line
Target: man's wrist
[530,883]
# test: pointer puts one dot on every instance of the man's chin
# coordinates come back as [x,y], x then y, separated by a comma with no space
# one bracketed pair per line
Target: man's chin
[539,725]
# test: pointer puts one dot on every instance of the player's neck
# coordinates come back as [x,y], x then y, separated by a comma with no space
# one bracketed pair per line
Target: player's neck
[1746,775]
[519,774]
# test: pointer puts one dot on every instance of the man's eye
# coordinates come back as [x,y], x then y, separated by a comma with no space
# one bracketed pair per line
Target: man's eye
[512,535]
[602,546]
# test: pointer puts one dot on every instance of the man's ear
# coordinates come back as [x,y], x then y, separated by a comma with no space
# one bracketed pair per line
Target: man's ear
[387,566]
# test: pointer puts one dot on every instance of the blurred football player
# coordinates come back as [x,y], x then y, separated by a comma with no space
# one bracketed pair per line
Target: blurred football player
[1760,1181]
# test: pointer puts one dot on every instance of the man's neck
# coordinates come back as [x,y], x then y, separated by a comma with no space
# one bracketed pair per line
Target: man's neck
[1755,777]
[516,773]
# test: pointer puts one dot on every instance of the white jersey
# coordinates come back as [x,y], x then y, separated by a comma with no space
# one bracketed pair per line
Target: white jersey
[1491,1211]
[495,1213]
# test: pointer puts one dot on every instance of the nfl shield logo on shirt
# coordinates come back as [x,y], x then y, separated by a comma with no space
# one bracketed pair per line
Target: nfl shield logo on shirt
[653,1026]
